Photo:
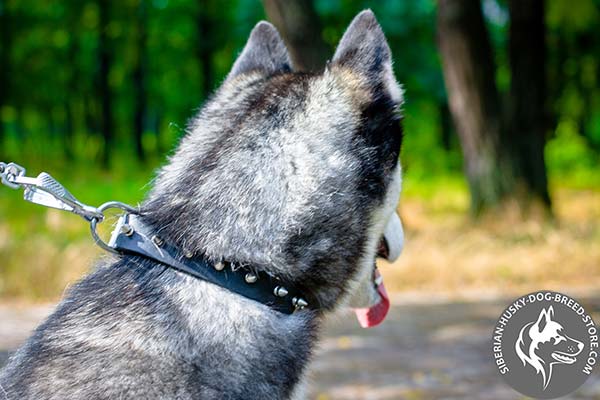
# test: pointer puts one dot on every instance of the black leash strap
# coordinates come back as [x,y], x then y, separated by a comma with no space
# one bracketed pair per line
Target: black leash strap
[131,236]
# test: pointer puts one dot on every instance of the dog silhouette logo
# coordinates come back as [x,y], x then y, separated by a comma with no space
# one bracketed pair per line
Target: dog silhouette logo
[545,345]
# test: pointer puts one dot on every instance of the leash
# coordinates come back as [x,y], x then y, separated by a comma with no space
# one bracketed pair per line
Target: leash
[132,236]
[46,191]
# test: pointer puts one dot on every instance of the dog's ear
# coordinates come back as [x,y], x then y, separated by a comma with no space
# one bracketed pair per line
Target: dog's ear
[544,318]
[365,50]
[264,52]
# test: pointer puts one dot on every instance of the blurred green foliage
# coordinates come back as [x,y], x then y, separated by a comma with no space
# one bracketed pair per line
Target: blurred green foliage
[51,114]
[51,117]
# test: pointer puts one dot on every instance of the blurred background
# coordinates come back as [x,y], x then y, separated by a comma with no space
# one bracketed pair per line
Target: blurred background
[501,155]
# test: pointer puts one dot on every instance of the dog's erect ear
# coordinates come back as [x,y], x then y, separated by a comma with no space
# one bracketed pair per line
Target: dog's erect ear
[363,46]
[264,52]
[544,318]
[364,49]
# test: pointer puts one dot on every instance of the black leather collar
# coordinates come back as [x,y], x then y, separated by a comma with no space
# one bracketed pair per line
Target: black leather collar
[131,236]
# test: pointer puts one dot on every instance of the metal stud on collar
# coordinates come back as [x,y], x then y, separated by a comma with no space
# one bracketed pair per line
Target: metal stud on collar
[219,266]
[127,230]
[250,278]
[280,291]
[299,303]
[157,241]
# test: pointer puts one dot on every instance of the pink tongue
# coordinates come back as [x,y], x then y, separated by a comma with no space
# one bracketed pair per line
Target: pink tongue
[370,317]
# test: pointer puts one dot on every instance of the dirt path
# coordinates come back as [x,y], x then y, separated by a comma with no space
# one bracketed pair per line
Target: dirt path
[422,351]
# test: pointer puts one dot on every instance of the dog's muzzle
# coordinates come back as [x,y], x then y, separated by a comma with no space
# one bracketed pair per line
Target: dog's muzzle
[390,246]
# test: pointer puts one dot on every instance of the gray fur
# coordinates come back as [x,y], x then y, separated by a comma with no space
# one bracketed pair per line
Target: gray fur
[363,46]
[265,52]
[294,174]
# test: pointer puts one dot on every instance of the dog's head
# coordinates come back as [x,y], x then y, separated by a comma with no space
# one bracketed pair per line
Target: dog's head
[294,173]
[544,343]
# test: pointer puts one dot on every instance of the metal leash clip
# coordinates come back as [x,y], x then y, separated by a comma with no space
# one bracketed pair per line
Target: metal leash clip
[47,191]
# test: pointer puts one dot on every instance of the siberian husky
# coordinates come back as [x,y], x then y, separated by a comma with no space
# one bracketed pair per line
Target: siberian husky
[290,175]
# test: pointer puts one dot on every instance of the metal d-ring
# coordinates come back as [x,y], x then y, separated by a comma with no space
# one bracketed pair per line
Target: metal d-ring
[98,240]
[120,206]
[94,222]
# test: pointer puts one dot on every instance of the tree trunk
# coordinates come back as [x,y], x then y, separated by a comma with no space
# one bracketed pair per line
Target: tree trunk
[206,45]
[5,49]
[69,128]
[72,84]
[299,25]
[446,126]
[139,82]
[528,122]
[104,92]
[469,75]
[90,114]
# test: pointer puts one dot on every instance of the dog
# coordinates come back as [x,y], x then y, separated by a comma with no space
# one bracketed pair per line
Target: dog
[543,344]
[296,174]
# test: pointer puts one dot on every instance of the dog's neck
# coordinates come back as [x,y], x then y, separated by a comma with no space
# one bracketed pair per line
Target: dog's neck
[131,236]
[319,287]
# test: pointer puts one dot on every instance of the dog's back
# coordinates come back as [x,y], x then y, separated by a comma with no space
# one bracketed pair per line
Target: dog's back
[142,331]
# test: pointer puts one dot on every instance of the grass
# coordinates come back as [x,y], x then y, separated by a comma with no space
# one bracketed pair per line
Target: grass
[43,251]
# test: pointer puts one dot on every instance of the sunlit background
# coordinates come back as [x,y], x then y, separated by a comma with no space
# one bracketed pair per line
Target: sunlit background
[97,93]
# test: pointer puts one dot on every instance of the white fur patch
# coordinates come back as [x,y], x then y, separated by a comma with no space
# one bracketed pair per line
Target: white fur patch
[394,236]
[394,89]
[362,292]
